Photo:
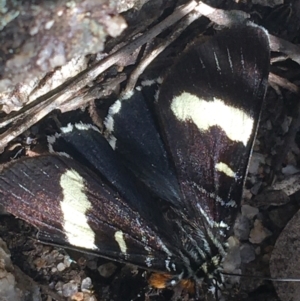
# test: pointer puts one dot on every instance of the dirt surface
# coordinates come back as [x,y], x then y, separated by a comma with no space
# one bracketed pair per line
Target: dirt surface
[41,32]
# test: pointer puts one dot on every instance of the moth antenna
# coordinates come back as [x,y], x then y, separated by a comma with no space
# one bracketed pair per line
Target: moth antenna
[264,278]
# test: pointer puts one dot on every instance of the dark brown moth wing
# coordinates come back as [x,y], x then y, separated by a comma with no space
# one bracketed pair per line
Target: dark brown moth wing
[85,144]
[72,207]
[134,136]
[209,106]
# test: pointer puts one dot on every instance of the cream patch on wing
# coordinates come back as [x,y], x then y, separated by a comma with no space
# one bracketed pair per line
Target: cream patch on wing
[235,123]
[223,167]
[119,237]
[74,206]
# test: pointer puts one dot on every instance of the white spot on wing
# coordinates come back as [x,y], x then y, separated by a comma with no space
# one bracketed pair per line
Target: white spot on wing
[149,82]
[74,206]
[212,223]
[229,60]
[167,264]
[228,203]
[234,122]
[26,174]
[204,267]
[156,95]
[160,80]
[148,262]
[112,140]
[119,237]
[217,63]
[51,140]
[109,120]
[109,123]
[16,196]
[25,189]
[202,64]
[173,267]
[85,127]
[212,236]
[223,167]
[67,129]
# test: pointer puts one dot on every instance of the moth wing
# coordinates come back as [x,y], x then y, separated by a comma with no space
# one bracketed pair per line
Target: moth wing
[134,136]
[85,144]
[72,207]
[209,106]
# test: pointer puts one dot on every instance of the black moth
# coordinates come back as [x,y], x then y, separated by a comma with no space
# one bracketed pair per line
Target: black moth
[207,111]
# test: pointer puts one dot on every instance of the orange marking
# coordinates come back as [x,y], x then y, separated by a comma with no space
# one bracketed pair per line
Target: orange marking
[161,281]
[188,285]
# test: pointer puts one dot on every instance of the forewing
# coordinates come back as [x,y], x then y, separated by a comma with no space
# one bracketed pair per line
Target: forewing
[209,106]
[72,207]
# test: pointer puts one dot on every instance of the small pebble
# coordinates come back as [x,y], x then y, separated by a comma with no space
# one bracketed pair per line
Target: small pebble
[256,187]
[257,159]
[289,170]
[61,267]
[107,269]
[78,296]
[249,211]
[69,289]
[258,233]
[86,284]
[247,253]
[242,228]
[67,261]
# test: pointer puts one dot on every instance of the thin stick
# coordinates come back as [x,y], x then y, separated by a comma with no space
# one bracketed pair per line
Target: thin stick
[284,83]
[263,278]
[74,85]
[45,104]
[194,15]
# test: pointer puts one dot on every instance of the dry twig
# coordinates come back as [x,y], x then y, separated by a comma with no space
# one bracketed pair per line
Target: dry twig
[70,90]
